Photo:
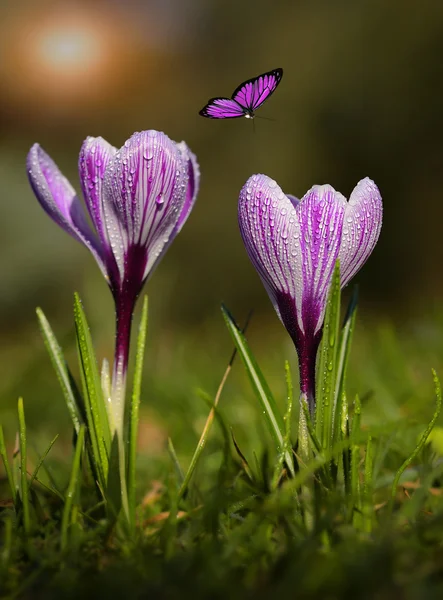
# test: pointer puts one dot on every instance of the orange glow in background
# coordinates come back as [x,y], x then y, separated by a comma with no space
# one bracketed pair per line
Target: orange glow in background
[58,61]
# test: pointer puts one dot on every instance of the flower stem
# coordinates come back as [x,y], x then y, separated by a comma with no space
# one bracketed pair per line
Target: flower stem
[124,307]
[123,313]
[307,352]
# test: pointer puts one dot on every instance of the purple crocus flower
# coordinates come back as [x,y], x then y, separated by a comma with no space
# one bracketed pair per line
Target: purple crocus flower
[138,199]
[294,245]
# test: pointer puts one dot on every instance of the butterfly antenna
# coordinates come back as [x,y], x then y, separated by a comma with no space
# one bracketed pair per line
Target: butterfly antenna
[265,118]
[253,125]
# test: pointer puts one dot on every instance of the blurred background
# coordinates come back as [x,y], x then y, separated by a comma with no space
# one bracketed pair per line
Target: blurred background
[360,96]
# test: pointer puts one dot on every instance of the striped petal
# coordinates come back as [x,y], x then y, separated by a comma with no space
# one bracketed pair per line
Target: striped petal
[193,183]
[270,229]
[58,198]
[320,213]
[95,155]
[361,229]
[145,189]
[191,196]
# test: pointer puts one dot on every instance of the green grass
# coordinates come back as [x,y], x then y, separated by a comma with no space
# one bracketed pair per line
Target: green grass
[241,526]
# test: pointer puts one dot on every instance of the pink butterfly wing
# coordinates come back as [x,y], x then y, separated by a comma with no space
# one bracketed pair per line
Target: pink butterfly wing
[222,108]
[252,93]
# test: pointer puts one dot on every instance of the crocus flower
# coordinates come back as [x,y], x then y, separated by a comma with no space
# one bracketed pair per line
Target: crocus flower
[294,245]
[138,199]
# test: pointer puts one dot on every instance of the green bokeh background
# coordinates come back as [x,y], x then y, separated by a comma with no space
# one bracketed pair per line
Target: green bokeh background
[361,96]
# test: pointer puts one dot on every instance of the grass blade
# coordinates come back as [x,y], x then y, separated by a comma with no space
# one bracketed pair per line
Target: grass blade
[72,488]
[106,383]
[287,447]
[69,388]
[7,467]
[421,443]
[178,469]
[327,364]
[23,468]
[134,416]
[96,413]
[272,416]
[342,362]
[41,460]
[209,421]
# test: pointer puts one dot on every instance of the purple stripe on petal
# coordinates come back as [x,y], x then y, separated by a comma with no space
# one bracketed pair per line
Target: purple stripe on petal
[146,188]
[58,198]
[191,196]
[320,213]
[193,183]
[361,228]
[270,229]
[95,155]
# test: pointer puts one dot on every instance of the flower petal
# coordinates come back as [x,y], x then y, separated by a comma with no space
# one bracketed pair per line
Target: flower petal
[58,198]
[191,196]
[295,201]
[95,155]
[320,213]
[145,190]
[270,230]
[193,183]
[361,229]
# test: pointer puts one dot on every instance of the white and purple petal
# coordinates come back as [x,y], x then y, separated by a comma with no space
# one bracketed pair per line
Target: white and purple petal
[146,188]
[59,200]
[192,188]
[94,157]
[320,213]
[270,229]
[361,228]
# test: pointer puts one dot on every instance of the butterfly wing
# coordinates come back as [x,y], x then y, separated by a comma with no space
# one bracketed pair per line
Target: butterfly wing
[252,93]
[222,108]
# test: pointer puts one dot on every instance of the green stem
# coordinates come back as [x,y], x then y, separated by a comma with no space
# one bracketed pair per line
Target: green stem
[23,468]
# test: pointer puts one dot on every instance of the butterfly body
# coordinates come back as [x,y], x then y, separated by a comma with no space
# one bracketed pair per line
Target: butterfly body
[245,100]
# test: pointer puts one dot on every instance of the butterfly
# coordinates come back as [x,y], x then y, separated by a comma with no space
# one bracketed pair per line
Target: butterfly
[245,100]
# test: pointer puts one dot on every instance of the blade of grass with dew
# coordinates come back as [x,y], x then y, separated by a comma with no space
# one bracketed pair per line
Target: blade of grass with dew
[272,416]
[318,462]
[354,460]
[209,421]
[287,447]
[72,488]
[327,363]
[178,469]
[69,388]
[97,418]
[356,419]
[134,412]
[310,427]
[16,470]
[7,467]
[114,491]
[106,383]
[42,459]
[344,348]
[346,455]
[421,443]
[23,468]
[304,409]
